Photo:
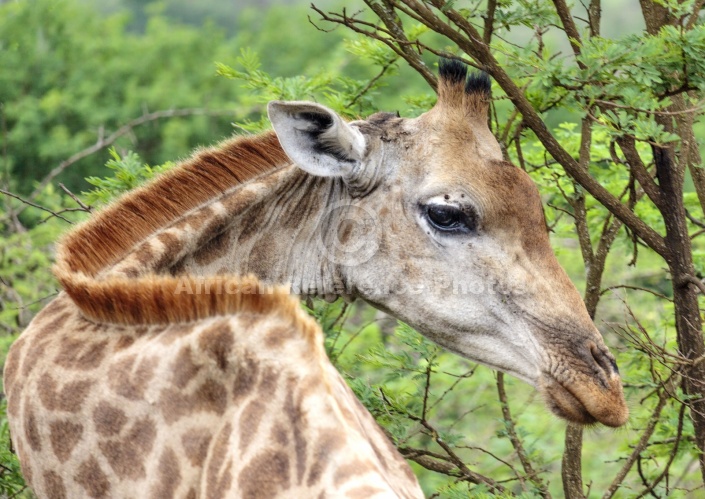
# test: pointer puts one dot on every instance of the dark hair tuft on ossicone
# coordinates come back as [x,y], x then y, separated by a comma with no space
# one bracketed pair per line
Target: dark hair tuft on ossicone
[455,72]
[478,83]
[451,70]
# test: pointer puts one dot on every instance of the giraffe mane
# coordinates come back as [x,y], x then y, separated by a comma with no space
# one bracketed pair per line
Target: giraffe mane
[111,233]
[116,229]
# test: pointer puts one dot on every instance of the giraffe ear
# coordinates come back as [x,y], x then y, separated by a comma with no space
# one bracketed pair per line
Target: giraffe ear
[316,138]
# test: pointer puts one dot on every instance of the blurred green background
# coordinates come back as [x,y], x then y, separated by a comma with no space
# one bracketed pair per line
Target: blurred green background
[75,71]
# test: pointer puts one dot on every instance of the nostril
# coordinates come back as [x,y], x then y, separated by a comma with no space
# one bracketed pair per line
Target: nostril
[613,363]
[605,360]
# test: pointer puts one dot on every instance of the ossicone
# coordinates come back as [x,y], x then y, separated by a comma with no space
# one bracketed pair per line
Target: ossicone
[456,89]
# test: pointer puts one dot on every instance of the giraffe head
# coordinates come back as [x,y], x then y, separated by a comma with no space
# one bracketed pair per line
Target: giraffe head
[435,228]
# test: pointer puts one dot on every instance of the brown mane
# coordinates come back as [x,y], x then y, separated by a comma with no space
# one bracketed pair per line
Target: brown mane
[111,233]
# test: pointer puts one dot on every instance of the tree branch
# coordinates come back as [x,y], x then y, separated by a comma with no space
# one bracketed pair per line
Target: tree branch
[489,21]
[571,465]
[570,29]
[34,205]
[462,472]
[475,47]
[594,16]
[695,15]
[691,279]
[104,142]
[372,82]
[645,436]
[679,433]
[516,441]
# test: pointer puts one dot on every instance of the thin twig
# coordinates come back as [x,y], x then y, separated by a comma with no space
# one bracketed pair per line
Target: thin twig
[104,142]
[674,451]
[690,110]
[644,440]
[80,203]
[516,441]
[691,279]
[372,82]
[635,288]
[458,468]
[697,222]
[34,205]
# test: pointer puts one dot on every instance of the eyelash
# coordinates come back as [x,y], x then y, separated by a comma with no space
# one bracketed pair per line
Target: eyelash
[450,219]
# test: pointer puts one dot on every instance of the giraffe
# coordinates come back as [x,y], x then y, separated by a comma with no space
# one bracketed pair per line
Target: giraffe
[175,362]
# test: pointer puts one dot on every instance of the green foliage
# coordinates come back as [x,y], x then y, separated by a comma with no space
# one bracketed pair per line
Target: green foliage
[129,172]
[26,256]
[347,96]
[69,73]
[11,480]
[70,76]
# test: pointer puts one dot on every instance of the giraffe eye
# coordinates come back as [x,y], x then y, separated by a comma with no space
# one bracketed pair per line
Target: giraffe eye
[450,219]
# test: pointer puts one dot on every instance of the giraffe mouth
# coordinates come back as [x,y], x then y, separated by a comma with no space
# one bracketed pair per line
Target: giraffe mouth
[564,404]
[586,403]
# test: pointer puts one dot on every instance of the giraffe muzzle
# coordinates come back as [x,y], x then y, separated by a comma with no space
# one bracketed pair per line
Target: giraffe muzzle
[587,389]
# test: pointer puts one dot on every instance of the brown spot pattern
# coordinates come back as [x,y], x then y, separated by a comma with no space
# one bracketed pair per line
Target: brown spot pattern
[218,482]
[276,336]
[256,216]
[12,363]
[54,485]
[216,248]
[380,455]
[210,396]
[216,225]
[56,324]
[280,435]
[172,247]
[198,218]
[131,272]
[64,435]
[13,400]
[108,420]
[126,456]
[169,476]
[248,370]
[195,444]
[174,332]
[217,342]
[41,338]
[92,479]
[31,431]
[124,342]
[128,381]
[238,201]
[80,354]
[53,308]
[184,368]
[266,475]
[268,382]
[70,398]
[249,422]
[328,442]
[144,254]
[297,421]
[345,471]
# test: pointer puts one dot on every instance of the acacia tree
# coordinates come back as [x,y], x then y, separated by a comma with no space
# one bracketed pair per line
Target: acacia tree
[641,95]
[616,179]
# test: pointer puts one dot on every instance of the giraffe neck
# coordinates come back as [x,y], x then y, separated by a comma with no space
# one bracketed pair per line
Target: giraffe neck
[237,209]
[274,228]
